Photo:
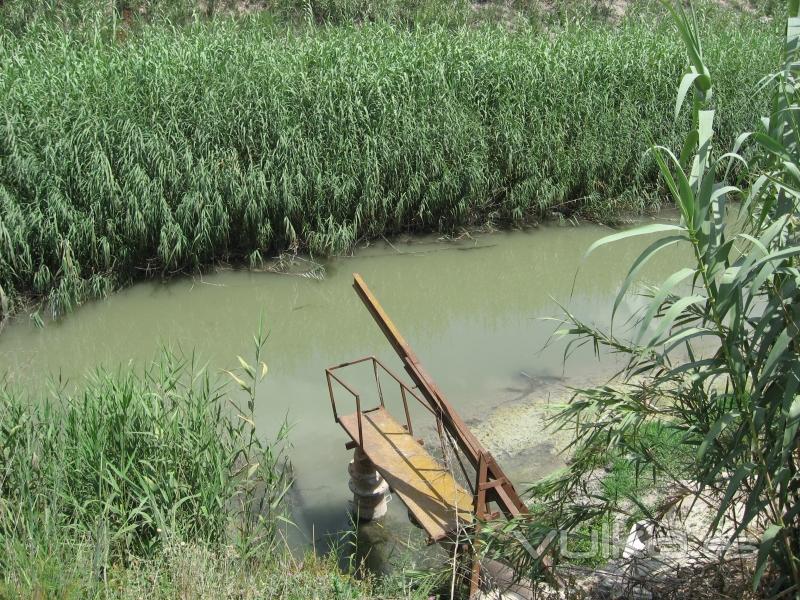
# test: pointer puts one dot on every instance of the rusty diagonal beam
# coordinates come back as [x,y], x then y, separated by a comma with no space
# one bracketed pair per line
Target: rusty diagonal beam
[504,493]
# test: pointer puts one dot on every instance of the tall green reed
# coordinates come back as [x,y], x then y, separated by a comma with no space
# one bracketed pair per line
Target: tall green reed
[136,464]
[182,147]
[115,19]
[713,357]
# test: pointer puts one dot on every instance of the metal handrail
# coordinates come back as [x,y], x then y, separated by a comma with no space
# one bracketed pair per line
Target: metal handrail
[329,375]
[404,390]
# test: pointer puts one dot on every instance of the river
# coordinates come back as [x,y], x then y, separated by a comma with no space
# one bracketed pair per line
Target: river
[472,310]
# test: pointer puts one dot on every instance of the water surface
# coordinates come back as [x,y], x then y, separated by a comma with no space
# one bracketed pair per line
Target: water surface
[471,309]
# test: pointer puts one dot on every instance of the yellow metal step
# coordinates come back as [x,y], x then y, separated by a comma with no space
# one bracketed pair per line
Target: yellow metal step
[437,501]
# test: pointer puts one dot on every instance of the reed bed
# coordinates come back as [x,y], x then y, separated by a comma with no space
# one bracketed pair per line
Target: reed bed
[133,466]
[18,16]
[177,148]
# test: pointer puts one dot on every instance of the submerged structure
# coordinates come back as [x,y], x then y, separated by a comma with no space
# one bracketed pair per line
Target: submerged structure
[448,504]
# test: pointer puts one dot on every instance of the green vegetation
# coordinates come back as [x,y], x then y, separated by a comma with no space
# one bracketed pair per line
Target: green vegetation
[714,356]
[130,466]
[625,478]
[615,491]
[150,484]
[117,17]
[142,139]
[230,140]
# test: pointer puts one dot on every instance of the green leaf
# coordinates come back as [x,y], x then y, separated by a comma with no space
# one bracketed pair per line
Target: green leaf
[658,299]
[686,83]
[716,428]
[734,483]
[757,243]
[639,231]
[245,366]
[727,291]
[771,145]
[705,131]
[685,335]
[779,255]
[640,261]
[791,426]
[674,311]
[681,190]
[238,380]
[777,354]
[723,190]
[689,146]
[690,41]
[766,266]
[764,548]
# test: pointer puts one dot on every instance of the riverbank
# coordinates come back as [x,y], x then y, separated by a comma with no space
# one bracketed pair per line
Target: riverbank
[229,140]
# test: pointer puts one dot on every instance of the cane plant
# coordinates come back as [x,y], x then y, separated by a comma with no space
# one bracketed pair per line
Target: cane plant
[134,464]
[714,355]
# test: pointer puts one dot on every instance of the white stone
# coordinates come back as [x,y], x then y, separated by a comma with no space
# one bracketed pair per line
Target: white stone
[637,543]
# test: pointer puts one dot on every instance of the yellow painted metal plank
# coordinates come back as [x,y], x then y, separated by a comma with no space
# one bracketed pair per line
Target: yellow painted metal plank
[429,491]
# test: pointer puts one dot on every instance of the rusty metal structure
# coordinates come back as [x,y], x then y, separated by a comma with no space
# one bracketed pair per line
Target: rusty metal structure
[430,491]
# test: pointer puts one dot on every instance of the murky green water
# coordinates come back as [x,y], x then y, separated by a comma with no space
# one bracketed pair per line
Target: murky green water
[470,309]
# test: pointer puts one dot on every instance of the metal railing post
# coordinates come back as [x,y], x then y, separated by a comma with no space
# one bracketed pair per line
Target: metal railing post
[330,393]
[358,412]
[405,406]
[377,381]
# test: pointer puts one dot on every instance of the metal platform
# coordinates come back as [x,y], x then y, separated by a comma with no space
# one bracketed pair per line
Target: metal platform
[433,496]
[439,504]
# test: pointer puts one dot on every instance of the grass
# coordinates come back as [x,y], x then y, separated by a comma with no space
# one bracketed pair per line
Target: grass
[188,571]
[154,484]
[18,16]
[144,481]
[626,479]
[230,140]
[727,394]
[626,491]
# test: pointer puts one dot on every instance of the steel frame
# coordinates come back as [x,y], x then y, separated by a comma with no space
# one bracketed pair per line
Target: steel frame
[491,485]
